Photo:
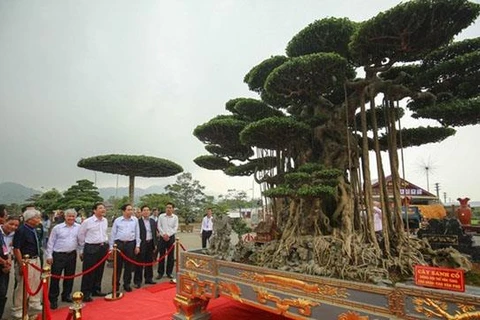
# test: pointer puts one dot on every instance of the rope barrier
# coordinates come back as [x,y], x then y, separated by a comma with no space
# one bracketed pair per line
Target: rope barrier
[27,284]
[95,266]
[56,276]
[181,246]
[36,267]
[146,264]
[69,316]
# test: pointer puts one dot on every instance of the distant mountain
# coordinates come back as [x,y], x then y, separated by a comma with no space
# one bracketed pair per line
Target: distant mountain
[11,192]
[106,193]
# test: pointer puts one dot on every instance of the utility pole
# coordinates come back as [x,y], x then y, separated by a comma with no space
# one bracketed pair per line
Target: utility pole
[437,189]
[444,197]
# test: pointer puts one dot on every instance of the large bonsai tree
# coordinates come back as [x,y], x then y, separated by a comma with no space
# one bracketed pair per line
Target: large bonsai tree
[131,166]
[308,138]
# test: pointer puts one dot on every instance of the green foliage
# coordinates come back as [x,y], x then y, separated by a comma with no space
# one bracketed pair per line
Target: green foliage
[281,191]
[451,51]
[453,112]
[275,133]
[419,136]
[328,174]
[131,165]
[117,203]
[316,191]
[326,35]
[303,80]
[235,200]
[250,167]
[254,110]
[156,200]
[49,201]
[411,30]
[240,227]
[188,196]
[257,76]
[224,132]
[212,162]
[458,76]
[298,178]
[311,167]
[82,195]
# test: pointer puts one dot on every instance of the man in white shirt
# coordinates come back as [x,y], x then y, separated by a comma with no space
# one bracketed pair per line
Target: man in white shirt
[93,242]
[62,256]
[377,222]
[207,227]
[167,226]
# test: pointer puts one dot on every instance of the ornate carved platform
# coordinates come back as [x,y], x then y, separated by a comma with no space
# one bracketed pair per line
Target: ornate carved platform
[298,296]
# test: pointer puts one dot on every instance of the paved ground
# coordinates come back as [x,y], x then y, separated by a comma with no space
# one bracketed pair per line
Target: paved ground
[189,241]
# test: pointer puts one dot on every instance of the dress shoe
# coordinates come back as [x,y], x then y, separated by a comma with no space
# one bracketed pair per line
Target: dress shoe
[67,299]
[169,276]
[98,294]
[87,299]
[53,305]
[150,282]
[127,288]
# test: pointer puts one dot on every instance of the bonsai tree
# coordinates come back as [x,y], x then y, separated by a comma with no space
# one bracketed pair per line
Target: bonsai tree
[308,137]
[131,166]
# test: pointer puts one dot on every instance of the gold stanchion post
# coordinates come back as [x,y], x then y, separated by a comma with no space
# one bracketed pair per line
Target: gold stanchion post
[25,295]
[45,275]
[76,308]
[177,256]
[114,295]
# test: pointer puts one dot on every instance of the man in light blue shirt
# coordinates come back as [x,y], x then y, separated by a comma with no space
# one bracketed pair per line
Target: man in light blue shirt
[126,235]
[62,256]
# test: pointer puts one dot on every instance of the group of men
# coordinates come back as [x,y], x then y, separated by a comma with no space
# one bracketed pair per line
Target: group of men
[140,239]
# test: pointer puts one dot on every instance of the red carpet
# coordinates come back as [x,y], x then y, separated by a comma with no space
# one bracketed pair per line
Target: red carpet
[156,303]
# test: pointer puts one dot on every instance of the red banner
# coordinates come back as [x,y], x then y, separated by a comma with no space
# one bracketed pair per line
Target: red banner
[440,278]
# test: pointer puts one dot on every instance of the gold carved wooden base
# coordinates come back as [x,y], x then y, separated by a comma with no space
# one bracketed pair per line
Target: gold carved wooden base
[190,308]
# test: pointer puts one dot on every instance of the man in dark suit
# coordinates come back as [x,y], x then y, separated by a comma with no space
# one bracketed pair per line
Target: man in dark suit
[148,237]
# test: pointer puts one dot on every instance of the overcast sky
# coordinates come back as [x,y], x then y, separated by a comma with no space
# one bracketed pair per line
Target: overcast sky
[84,78]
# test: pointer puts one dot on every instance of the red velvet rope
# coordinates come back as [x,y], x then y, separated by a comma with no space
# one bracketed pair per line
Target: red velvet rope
[183,248]
[46,302]
[27,284]
[57,276]
[69,315]
[36,267]
[146,264]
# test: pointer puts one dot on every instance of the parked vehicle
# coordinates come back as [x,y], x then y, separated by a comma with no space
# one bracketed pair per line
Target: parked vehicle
[413,216]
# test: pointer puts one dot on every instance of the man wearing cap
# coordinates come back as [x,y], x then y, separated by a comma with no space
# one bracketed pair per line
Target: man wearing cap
[62,256]
[26,242]
[93,242]
[126,235]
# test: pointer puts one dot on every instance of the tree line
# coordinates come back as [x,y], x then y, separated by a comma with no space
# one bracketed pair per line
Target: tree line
[187,193]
